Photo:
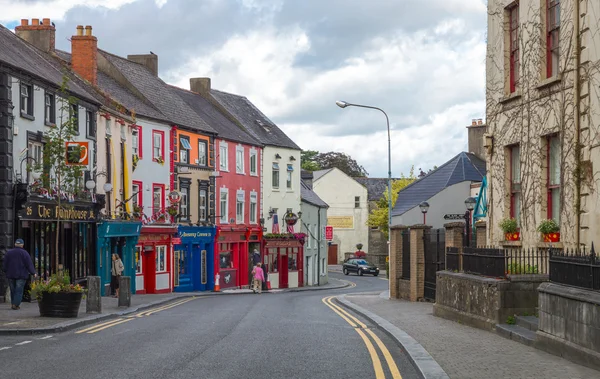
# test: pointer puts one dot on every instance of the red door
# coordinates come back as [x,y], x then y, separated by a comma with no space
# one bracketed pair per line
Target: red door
[283,271]
[149,268]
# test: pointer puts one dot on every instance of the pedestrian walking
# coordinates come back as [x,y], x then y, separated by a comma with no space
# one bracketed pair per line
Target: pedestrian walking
[255,257]
[117,270]
[259,277]
[17,266]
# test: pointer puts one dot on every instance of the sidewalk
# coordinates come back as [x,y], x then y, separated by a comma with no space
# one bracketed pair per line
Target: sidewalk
[28,321]
[465,352]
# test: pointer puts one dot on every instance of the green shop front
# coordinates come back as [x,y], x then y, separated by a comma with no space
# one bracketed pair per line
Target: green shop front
[117,237]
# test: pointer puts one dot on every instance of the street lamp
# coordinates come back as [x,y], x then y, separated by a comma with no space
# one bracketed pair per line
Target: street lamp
[470,204]
[344,104]
[424,208]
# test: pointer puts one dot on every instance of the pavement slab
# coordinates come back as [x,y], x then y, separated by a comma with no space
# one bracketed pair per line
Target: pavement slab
[465,352]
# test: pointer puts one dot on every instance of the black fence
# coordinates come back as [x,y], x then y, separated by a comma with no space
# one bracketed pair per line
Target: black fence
[484,261]
[452,259]
[575,268]
[498,262]
[434,241]
[406,254]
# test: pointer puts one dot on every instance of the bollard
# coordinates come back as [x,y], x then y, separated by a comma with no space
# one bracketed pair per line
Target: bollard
[93,303]
[124,291]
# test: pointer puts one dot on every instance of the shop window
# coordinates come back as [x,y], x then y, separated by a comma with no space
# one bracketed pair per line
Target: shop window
[161,258]
[293,259]
[253,207]
[239,159]
[50,109]
[271,259]
[253,160]
[553,182]
[27,101]
[275,179]
[290,171]
[239,207]
[202,153]
[225,255]
[515,183]
[184,150]
[223,206]
[138,259]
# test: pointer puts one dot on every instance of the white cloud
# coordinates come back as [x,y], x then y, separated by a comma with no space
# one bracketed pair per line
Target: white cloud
[55,9]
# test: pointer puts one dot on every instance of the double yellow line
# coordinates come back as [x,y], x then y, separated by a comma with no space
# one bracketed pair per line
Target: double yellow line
[359,326]
[105,325]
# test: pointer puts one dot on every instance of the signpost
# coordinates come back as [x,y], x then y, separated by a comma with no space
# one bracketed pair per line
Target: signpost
[329,233]
[454,216]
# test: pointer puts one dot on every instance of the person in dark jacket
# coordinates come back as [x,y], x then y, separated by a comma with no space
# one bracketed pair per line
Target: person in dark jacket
[17,266]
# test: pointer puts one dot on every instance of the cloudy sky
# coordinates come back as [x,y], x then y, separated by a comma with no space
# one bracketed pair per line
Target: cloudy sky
[422,61]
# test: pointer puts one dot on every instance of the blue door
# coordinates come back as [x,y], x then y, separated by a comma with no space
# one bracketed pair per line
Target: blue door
[183,268]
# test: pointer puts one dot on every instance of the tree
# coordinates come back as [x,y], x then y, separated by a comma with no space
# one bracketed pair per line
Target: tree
[308,162]
[423,173]
[341,161]
[379,215]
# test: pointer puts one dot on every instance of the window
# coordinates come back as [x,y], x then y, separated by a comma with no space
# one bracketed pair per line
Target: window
[253,207]
[356,201]
[223,161]
[515,183]
[35,150]
[253,158]
[225,254]
[202,153]
[74,115]
[292,258]
[202,204]
[136,189]
[90,124]
[184,149]
[158,145]
[26,100]
[290,171]
[239,159]
[161,258]
[552,37]
[107,126]
[184,204]
[223,205]
[135,142]
[158,197]
[275,178]
[323,266]
[50,109]
[553,183]
[514,46]
[138,259]
[239,207]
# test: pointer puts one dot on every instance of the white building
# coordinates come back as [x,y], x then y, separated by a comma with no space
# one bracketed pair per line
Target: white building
[314,220]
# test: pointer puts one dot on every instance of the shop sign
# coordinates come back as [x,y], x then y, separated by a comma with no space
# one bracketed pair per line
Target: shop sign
[49,212]
[291,218]
[280,243]
[174,197]
[77,159]
[176,241]
[203,266]
[329,233]
[341,222]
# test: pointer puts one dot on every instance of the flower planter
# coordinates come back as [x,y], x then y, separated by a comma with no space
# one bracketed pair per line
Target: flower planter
[60,304]
[551,237]
[516,236]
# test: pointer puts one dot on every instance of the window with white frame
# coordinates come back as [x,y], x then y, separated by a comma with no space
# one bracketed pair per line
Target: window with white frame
[138,259]
[90,123]
[253,161]
[107,128]
[50,108]
[202,204]
[223,161]
[136,189]
[290,171]
[74,114]
[239,207]
[223,206]
[157,145]
[239,159]
[275,175]
[184,149]
[184,204]
[161,258]
[253,207]
[135,142]
[26,100]
[202,153]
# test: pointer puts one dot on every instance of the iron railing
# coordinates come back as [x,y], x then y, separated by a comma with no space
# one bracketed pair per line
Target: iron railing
[575,268]
[452,259]
[406,254]
[498,262]
[484,261]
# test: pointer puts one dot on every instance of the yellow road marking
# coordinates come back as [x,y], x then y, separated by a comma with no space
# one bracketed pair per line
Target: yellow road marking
[374,357]
[109,326]
[362,325]
[324,300]
[96,326]
[388,357]
[169,306]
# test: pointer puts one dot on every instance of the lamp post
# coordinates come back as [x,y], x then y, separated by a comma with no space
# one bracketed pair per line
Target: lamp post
[424,208]
[344,104]
[470,204]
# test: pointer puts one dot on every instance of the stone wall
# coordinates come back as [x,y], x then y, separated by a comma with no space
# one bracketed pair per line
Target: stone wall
[484,302]
[570,323]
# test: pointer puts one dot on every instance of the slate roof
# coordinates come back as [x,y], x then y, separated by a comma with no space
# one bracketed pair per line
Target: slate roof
[158,93]
[21,55]
[319,174]
[309,196]
[255,122]
[463,167]
[375,187]
[204,109]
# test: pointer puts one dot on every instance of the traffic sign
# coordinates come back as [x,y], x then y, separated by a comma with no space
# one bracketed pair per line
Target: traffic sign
[454,216]
[329,233]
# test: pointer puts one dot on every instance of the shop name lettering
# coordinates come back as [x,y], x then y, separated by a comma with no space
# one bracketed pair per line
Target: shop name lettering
[194,235]
[59,212]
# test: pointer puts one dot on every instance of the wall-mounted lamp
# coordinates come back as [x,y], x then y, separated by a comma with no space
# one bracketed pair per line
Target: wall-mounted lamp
[277,156]
[272,212]
[292,158]
[299,214]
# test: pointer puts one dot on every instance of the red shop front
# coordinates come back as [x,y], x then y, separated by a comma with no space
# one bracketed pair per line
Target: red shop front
[284,259]
[154,259]
[233,254]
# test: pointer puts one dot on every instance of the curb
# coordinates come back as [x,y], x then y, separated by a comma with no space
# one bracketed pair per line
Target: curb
[426,366]
[337,287]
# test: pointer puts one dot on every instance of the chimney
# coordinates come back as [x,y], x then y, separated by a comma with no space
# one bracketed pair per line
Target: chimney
[200,85]
[148,60]
[480,121]
[41,35]
[84,54]
[474,122]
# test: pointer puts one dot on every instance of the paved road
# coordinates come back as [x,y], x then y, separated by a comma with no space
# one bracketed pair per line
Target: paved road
[284,335]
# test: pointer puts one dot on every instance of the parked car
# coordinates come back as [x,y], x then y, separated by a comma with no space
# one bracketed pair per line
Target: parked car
[359,266]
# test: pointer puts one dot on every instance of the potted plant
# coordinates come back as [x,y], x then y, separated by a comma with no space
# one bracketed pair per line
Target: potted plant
[510,229]
[57,296]
[550,230]
[159,160]
[134,161]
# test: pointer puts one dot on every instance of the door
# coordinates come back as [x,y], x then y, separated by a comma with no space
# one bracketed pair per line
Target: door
[149,268]
[183,259]
[332,254]
[309,277]
[283,270]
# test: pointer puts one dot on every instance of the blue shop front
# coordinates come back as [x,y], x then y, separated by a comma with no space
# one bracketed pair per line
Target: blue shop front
[194,259]
[117,237]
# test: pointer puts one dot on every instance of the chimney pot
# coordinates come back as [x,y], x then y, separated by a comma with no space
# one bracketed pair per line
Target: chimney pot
[480,122]
[35,21]
[79,30]
[46,21]
[88,30]
[24,22]
[473,122]
[200,85]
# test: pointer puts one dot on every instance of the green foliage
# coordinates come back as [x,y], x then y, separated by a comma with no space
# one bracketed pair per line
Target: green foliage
[308,162]
[548,226]
[59,282]
[312,160]
[379,215]
[509,225]
[510,320]
[518,269]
